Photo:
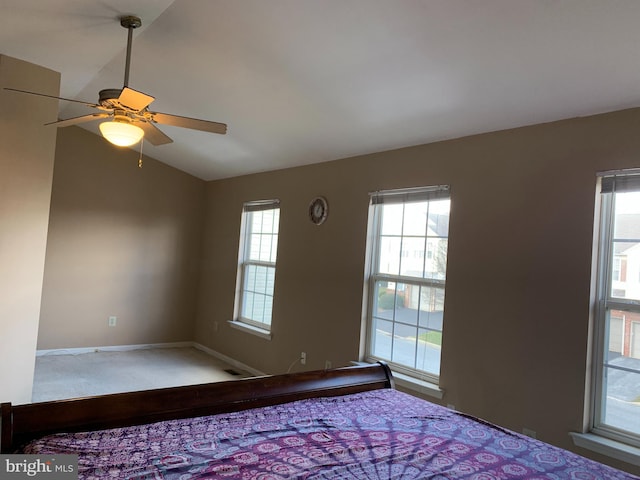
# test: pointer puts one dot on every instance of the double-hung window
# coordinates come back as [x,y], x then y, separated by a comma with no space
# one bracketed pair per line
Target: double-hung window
[409,232]
[616,386]
[257,263]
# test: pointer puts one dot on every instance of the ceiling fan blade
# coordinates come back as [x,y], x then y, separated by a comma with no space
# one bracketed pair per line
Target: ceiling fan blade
[154,134]
[135,100]
[52,96]
[186,122]
[75,120]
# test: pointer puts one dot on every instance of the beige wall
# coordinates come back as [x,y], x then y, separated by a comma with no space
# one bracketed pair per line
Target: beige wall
[26,167]
[123,242]
[518,290]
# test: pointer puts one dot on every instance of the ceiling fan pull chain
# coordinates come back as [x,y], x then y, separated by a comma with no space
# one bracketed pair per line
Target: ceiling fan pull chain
[140,158]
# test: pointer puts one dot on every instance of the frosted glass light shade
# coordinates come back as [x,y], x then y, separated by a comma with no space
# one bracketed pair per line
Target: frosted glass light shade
[122,134]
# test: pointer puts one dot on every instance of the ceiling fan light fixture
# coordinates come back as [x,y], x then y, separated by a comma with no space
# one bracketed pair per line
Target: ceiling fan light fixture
[121,133]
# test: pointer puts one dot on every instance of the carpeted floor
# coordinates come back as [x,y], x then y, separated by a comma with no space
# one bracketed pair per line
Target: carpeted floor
[71,376]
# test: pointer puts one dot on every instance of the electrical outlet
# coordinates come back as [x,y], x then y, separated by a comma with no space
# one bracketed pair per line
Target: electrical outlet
[451,406]
[327,364]
[303,358]
[529,433]
[215,326]
[112,321]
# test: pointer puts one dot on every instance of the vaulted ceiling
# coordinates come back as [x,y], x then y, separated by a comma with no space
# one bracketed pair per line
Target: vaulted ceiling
[306,81]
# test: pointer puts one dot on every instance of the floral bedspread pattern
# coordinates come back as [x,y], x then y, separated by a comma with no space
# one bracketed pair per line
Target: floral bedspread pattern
[382,434]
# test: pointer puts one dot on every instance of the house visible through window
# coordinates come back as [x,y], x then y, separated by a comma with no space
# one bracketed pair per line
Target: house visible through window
[616,394]
[406,284]
[257,263]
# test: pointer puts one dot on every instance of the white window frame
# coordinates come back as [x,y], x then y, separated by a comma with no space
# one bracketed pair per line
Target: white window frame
[244,262]
[610,183]
[412,376]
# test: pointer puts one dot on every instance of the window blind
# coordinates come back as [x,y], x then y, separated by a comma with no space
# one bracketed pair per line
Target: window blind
[260,205]
[405,195]
[620,181]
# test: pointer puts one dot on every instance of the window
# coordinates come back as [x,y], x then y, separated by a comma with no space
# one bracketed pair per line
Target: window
[406,291]
[617,265]
[257,263]
[616,394]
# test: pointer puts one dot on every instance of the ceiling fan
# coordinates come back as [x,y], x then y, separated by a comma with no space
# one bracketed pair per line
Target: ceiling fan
[129,118]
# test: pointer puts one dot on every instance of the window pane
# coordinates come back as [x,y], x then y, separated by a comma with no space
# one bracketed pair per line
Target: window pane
[411,303]
[384,305]
[389,255]
[271,280]
[268,309]
[265,248]
[436,259]
[415,219]
[261,280]
[404,345]
[249,278]
[431,307]
[247,305]
[256,221]
[381,335]
[407,304]
[391,219]
[274,249]
[258,308]
[267,224]
[439,218]
[254,246]
[412,257]
[428,355]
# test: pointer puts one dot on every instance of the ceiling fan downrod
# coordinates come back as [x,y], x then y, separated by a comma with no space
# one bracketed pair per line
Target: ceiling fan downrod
[129,22]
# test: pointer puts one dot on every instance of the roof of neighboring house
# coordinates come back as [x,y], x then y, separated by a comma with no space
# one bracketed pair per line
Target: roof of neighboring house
[439,224]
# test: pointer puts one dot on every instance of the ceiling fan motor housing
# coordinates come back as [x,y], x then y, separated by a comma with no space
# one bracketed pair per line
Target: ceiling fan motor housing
[108,97]
[130,21]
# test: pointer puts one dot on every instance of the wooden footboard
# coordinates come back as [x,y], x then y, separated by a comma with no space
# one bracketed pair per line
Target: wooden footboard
[21,423]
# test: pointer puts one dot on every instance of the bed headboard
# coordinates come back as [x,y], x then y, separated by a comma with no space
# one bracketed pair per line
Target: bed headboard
[21,423]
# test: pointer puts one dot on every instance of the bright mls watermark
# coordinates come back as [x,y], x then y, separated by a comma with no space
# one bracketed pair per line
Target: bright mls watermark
[52,467]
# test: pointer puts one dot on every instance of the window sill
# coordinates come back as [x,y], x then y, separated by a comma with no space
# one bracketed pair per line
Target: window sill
[410,383]
[259,332]
[608,447]
[419,386]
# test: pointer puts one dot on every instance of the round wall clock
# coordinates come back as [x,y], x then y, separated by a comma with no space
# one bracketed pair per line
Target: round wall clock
[318,210]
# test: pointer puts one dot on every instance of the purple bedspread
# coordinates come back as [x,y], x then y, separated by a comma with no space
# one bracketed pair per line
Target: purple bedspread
[382,434]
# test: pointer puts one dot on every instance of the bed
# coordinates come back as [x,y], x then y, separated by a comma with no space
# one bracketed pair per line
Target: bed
[345,423]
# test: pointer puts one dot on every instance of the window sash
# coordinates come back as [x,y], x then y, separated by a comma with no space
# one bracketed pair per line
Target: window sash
[418,325]
[248,292]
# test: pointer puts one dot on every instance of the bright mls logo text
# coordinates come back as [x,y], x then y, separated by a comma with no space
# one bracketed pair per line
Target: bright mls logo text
[28,466]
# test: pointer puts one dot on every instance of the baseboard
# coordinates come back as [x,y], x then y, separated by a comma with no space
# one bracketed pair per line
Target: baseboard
[143,346]
[229,360]
[112,348]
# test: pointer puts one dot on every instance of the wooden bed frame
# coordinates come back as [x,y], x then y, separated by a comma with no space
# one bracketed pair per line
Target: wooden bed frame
[22,423]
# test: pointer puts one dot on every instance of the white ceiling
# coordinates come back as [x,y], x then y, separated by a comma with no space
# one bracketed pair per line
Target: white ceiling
[306,81]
